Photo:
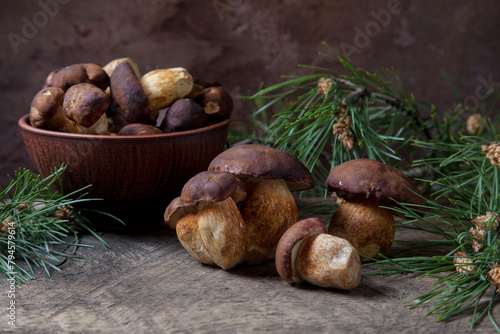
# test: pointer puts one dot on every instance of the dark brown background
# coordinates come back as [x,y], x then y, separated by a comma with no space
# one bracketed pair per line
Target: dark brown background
[245,43]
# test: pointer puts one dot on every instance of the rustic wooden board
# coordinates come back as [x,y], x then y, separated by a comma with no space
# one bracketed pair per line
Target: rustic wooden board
[147,283]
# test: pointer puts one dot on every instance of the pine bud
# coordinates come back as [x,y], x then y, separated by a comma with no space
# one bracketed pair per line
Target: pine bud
[492,153]
[463,263]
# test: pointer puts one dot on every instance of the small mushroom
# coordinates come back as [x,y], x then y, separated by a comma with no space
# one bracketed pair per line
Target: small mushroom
[199,86]
[139,129]
[86,105]
[128,99]
[47,111]
[164,86]
[183,115]
[110,67]
[75,74]
[366,185]
[306,252]
[207,220]
[270,175]
[217,102]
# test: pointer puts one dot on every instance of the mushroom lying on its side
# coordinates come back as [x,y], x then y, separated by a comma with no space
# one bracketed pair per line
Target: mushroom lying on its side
[366,185]
[47,111]
[75,74]
[306,252]
[207,221]
[269,208]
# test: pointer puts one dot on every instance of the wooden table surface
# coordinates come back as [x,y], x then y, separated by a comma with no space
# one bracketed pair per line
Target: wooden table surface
[148,283]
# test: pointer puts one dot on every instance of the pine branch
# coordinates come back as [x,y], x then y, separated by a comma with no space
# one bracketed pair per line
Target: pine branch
[39,226]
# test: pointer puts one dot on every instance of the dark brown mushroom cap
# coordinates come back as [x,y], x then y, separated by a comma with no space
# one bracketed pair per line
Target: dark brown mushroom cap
[205,186]
[372,180]
[45,105]
[264,162]
[128,97]
[139,129]
[68,76]
[85,104]
[288,246]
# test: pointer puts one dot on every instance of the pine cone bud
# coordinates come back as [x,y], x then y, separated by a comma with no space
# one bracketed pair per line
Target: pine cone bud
[342,129]
[463,263]
[4,227]
[494,275]
[483,222]
[473,123]
[324,85]
[492,153]
[63,213]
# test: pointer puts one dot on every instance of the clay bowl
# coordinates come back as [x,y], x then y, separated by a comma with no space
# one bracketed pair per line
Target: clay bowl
[136,176]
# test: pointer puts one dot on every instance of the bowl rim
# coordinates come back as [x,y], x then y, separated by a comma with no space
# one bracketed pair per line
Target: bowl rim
[25,125]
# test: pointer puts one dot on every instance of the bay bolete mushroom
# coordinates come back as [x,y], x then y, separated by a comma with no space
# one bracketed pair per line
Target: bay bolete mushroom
[47,111]
[269,209]
[128,99]
[306,252]
[164,86]
[71,75]
[139,129]
[86,105]
[184,114]
[217,102]
[207,220]
[366,185]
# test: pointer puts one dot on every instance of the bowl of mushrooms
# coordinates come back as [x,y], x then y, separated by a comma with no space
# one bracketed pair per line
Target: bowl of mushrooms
[133,140]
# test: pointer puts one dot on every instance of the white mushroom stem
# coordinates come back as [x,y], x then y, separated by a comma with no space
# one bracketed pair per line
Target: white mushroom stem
[367,226]
[268,211]
[216,234]
[98,128]
[328,261]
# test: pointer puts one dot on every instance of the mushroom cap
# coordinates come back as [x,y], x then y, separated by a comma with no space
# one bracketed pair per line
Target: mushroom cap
[289,244]
[74,74]
[205,186]
[139,129]
[264,162]
[372,180]
[85,104]
[128,97]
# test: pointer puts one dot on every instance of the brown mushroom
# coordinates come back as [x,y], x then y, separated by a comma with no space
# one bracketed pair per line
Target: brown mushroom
[269,208]
[86,105]
[217,102]
[199,86]
[366,185]
[306,252]
[207,221]
[47,112]
[75,74]
[139,129]
[110,67]
[183,115]
[164,86]
[129,101]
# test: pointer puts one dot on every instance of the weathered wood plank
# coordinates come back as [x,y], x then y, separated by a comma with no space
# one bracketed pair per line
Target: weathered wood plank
[147,283]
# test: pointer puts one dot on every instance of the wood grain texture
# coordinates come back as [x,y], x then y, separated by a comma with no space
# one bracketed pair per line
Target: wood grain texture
[148,283]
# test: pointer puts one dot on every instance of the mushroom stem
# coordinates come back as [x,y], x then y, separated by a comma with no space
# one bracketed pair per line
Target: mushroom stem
[367,226]
[328,261]
[268,211]
[215,235]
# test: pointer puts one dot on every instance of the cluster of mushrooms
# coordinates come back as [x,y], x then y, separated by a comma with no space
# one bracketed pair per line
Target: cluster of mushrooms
[116,99]
[241,210]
